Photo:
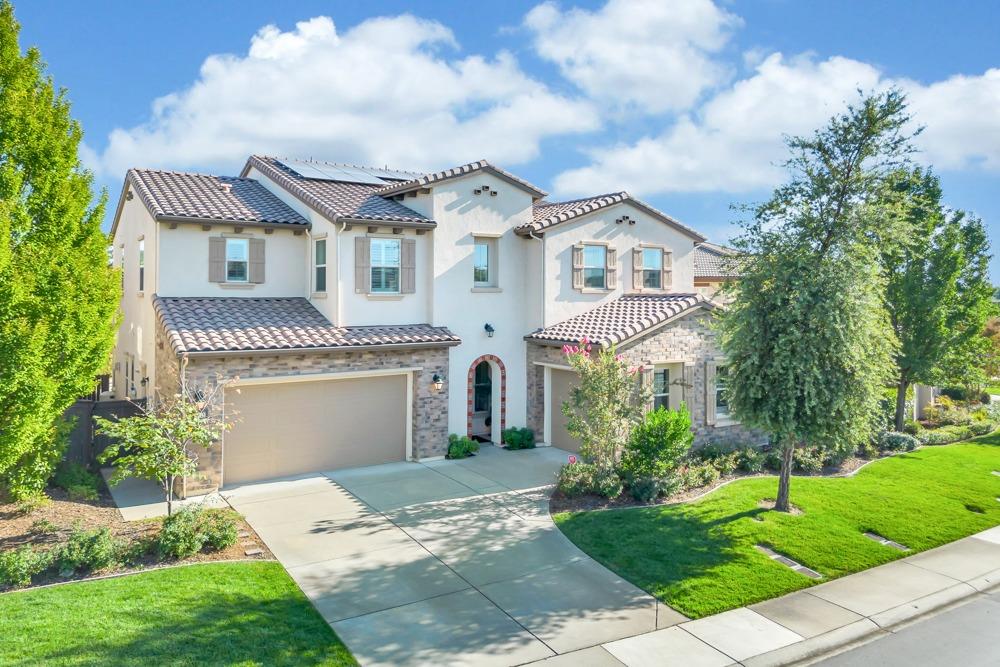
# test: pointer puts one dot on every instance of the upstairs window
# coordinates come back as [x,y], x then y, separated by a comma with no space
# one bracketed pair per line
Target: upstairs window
[142,264]
[484,263]
[661,388]
[385,263]
[652,268]
[237,260]
[721,393]
[595,266]
[320,264]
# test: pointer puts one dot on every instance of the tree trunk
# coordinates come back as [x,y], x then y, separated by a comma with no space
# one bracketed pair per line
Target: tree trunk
[170,495]
[785,477]
[901,386]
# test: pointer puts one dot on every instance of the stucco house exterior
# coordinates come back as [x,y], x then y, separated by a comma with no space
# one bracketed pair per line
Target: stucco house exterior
[357,316]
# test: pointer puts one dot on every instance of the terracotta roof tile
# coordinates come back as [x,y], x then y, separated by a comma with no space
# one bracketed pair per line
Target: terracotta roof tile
[456,172]
[550,214]
[715,261]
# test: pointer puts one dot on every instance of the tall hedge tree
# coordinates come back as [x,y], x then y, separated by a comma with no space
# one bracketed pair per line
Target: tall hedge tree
[808,343]
[938,292]
[58,295]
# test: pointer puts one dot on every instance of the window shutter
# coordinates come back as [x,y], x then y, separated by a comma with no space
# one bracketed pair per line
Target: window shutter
[647,384]
[408,267]
[637,268]
[668,272]
[578,267]
[362,264]
[710,393]
[256,265]
[688,393]
[216,259]
[612,268]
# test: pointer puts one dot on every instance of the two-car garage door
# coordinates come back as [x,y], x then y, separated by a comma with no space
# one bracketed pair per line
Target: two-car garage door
[289,428]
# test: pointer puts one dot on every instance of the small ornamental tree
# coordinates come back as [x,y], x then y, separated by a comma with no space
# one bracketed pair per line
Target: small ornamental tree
[161,443]
[605,405]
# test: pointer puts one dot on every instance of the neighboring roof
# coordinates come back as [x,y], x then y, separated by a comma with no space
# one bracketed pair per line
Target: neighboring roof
[458,172]
[338,200]
[550,214]
[621,319]
[715,261]
[241,324]
[173,195]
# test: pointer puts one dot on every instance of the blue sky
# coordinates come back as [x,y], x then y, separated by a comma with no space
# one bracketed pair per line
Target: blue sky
[682,103]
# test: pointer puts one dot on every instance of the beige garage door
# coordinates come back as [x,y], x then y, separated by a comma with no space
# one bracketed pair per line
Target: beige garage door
[298,427]
[562,382]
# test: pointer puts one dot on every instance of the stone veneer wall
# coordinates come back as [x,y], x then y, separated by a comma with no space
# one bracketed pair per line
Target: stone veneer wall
[430,406]
[167,368]
[690,339]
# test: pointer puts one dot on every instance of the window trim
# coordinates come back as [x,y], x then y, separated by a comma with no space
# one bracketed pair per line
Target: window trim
[317,266]
[657,369]
[492,244]
[372,266]
[246,244]
[659,272]
[603,267]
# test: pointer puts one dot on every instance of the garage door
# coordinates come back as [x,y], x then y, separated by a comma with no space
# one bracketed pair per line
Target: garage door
[562,382]
[299,427]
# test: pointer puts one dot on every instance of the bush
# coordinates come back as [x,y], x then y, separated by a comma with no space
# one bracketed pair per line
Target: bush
[751,460]
[134,552]
[32,503]
[219,529]
[807,459]
[79,483]
[182,535]
[982,427]
[657,445]
[18,566]
[834,457]
[892,441]
[461,447]
[607,483]
[576,479]
[963,395]
[88,550]
[944,435]
[699,475]
[648,489]
[867,450]
[772,459]
[912,426]
[518,438]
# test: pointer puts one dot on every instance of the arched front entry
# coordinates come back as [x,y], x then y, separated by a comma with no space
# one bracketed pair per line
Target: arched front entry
[487,398]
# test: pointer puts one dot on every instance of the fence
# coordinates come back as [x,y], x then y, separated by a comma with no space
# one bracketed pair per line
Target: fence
[84,443]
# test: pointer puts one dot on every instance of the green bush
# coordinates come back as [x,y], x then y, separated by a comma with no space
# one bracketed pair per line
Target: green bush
[135,551]
[751,460]
[912,426]
[79,483]
[657,444]
[807,460]
[891,441]
[32,503]
[220,530]
[867,450]
[88,550]
[772,459]
[982,427]
[461,447]
[182,535]
[698,475]
[518,438]
[607,483]
[18,566]
[576,479]
[648,489]
[944,435]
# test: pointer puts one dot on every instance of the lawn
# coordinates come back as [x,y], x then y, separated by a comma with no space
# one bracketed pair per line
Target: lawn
[700,558]
[993,390]
[211,614]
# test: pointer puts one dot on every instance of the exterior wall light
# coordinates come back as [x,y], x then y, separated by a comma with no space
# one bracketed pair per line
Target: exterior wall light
[489,330]
[437,381]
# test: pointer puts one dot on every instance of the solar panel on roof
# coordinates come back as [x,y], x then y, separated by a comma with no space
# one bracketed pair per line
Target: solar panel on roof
[358,175]
[307,169]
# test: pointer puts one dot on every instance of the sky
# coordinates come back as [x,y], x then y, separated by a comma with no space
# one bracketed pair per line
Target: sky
[684,103]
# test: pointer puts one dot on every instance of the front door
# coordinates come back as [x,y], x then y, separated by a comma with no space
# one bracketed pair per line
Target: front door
[482,401]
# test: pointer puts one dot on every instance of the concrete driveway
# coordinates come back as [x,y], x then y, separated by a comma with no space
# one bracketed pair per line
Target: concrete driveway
[447,562]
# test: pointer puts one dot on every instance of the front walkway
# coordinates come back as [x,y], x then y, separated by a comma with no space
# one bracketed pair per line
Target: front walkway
[447,562]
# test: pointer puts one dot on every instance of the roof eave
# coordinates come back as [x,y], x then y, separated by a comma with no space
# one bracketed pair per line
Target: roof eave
[183,219]
[319,349]
[382,222]
[418,184]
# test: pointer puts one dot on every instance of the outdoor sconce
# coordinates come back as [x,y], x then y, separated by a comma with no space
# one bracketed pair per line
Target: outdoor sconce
[437,381]
[144,381]
[489,330]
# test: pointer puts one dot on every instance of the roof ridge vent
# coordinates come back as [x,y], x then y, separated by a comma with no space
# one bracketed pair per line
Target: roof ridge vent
[226,187]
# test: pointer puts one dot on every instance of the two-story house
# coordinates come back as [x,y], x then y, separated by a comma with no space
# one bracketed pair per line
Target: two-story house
[355,316]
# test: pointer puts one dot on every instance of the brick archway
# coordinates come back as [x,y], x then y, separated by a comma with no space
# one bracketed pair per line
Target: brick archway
[495,360]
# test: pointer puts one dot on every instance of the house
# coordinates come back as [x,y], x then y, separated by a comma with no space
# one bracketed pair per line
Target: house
[356,316]
[714,266]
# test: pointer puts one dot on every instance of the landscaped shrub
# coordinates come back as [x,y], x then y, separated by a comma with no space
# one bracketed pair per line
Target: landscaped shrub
[31,503]
[835,456]
[182,535]
[87,550]
[78,482]
[891,441]
[807,459]
[944,435]
[772,459]
[867,450]
[18,566]
[219,529]
[964,395]
[698,475]
[607,483]
[135,551]
[657,445]
[648,489]
[576,479]
[461,447]
[750,460]
[519,438]
[912,426]
[981,427]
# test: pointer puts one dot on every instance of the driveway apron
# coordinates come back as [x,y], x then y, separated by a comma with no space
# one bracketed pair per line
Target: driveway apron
[446,562]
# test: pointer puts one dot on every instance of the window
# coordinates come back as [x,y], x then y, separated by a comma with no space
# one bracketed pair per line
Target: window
[652,268]
[595,266]
[482,388]
[721,395]
[385,265]
[484,263]
[320,264]
[142,264]
[661,388]
[237,260]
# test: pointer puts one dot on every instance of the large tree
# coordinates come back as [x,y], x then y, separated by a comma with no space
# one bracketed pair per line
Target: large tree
[808,343]
[938,293]
[58,295]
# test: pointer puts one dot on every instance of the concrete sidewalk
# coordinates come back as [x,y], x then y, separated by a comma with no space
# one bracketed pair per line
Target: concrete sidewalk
[812,622]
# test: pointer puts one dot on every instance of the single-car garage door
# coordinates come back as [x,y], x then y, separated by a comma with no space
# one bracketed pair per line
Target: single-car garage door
[562,382]
[289,428]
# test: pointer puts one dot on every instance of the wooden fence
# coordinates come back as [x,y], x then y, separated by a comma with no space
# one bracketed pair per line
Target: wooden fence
[84,443]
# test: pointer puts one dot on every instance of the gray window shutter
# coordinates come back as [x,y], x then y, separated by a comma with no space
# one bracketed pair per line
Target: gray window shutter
[637,268]
[668,270]
[710,392]
[578,267]
[216,259]
[408,267]
[611,257]
[256,260]
[362,264]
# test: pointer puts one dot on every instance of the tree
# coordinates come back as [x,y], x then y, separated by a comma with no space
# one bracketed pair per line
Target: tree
[938,293]
[992,336]
[58,295]
[807,340]
[605,405]
[161,443]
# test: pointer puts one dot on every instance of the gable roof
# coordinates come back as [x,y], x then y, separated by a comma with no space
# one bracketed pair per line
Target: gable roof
[715,261]
[215,325]
[549,214]
[457,172]
[621,319]
[338,200]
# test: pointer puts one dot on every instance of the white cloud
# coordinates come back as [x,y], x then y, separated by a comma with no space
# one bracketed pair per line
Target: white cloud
[653,55]
[380,93]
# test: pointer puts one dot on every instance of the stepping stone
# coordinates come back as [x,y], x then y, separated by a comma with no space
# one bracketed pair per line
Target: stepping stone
[253,552]
[243,533]
[885,541]
[788,562]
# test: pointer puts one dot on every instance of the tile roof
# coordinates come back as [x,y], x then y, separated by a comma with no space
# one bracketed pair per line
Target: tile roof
[456,172]
[620,320]
[549,214]
[241,324]
[337,199]
[173,194]
[715,261]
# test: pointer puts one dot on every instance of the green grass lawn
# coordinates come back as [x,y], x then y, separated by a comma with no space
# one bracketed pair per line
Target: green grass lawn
[993,390]
[700,557]
[212,614]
